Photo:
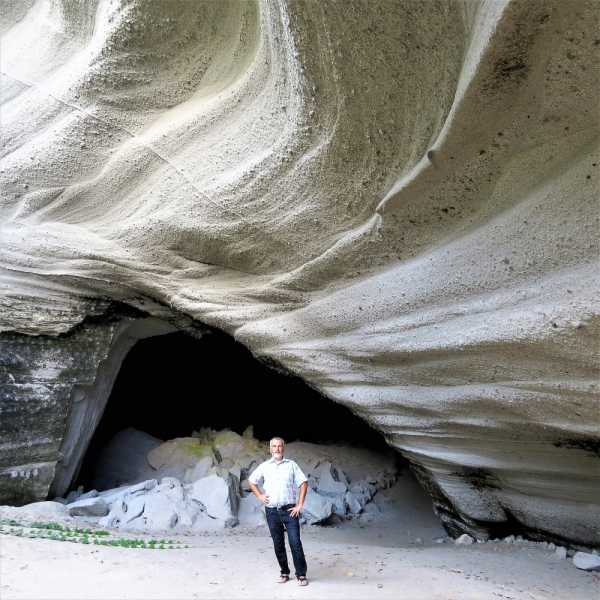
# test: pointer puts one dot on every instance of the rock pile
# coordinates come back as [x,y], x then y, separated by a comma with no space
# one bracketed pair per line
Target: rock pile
[203,481]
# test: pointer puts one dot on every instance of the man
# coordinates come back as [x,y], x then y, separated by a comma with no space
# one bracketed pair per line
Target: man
[282,477]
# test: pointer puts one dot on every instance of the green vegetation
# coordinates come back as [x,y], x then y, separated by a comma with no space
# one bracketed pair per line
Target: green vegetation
[54,531]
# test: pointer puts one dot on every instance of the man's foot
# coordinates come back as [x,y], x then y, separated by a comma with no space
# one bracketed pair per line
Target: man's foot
[283,579]
[302,580]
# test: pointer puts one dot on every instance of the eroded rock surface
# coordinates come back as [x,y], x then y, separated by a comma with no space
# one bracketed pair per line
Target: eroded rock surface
[397,202]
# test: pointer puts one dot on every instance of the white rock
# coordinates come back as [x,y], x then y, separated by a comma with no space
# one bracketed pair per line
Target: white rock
[463,540]
[47,509]
[89,507]
[561,552]
[216,495]
[586,562]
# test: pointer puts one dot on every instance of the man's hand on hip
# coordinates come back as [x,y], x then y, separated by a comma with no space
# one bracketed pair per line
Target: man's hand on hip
[295,511]
[264,498]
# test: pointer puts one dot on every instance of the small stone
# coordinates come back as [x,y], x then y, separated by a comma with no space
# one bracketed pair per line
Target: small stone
[439,541]
[509,540]
[561,552]
[586,562]
[464,540]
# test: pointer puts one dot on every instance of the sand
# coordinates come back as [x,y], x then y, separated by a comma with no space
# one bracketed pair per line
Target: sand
[379,559]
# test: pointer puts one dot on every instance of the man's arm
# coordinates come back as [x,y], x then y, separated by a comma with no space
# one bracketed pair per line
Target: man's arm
[262,497]
[294,512]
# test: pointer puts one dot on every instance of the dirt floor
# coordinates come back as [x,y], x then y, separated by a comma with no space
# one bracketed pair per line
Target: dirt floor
[378,559]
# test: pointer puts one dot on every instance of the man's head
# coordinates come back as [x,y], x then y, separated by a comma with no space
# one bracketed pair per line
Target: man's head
[276,448]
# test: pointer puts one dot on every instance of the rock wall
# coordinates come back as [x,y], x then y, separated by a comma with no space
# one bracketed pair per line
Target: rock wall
[396,201]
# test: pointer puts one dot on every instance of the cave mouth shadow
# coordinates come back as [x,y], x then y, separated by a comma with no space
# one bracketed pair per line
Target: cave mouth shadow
[170,385]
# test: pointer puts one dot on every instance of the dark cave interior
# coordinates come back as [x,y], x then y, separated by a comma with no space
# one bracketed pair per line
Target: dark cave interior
[173,384]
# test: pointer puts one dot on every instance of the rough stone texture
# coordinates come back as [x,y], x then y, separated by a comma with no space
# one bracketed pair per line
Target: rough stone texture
[396,202]
[586,561]
[316,508]
[124,459]
[217,495]
[90,507]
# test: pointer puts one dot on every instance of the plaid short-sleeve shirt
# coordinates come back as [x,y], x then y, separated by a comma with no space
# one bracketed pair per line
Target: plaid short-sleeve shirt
[281,480]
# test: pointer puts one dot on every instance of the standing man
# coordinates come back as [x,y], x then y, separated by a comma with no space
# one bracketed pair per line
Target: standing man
[282,477]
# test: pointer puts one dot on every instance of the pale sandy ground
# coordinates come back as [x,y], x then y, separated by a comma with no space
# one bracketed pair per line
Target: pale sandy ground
[384,557]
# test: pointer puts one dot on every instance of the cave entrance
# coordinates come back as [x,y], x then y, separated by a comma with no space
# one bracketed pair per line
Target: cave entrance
[170,385]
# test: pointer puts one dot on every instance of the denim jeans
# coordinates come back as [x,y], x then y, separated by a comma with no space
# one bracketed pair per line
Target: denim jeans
[279,520]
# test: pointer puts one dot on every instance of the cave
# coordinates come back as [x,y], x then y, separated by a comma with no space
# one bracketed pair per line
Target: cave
[169,385]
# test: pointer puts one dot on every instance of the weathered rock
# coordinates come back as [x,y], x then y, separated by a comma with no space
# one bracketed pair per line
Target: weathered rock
[200,469]
[175,457]
[464,540]
[216,494]
[89,507]
[251,511]
[421,280]
[74,495]
[45,509]
[352,504]
[329,482]
[151,506]
[229,443]
[316,508]
[586,562]
[124,459]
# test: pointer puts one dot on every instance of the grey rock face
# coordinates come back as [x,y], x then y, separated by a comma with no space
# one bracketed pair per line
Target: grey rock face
[316,508]
[124,459]
[89,507]
[216,495]
[352,504]
[586,562]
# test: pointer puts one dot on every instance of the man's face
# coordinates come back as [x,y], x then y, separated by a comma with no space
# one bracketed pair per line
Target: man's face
[276,448]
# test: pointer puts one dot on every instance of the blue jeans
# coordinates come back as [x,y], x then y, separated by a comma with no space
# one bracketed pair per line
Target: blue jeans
[279,520]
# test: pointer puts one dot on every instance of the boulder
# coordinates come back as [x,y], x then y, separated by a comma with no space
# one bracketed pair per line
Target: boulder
[175,457]
[586,562]
[89,507]
[251,511]
[123,460]
[330,483]
[90,494]
[45,509]
[248,433]
[229,443]
[316,508]
[216,494]
[152,506]
[352,504]
[200,469]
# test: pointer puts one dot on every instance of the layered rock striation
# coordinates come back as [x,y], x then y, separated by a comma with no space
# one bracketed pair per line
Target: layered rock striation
[396,201]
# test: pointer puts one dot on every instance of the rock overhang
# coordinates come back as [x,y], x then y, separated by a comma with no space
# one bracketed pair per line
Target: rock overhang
[461,321]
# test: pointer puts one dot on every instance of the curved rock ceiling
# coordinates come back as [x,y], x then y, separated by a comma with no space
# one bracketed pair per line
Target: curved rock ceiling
[396,201]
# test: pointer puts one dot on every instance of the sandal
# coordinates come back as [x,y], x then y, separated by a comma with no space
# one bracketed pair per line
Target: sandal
[302,580]
[283,578]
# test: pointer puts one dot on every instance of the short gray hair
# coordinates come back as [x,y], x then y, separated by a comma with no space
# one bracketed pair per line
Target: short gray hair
[276,438]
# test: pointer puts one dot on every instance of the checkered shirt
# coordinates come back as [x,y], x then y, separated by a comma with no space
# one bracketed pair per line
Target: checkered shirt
[281,481]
